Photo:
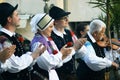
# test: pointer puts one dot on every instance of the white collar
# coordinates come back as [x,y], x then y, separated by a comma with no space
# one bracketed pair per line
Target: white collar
[58,32]
[91,37]
[7,32]
[45,37]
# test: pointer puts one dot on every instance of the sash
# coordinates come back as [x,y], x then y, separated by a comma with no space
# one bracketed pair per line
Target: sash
[51,46]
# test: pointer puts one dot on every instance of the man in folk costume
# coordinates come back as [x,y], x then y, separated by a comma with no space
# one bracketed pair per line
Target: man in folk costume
[16,65]
[52,58]
[5,53]
[62,36]
[93,61]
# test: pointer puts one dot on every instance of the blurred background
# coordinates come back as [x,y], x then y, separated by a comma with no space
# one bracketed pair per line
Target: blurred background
[81,11]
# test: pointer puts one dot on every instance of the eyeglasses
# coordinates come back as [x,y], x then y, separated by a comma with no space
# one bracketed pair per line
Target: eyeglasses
[63,18]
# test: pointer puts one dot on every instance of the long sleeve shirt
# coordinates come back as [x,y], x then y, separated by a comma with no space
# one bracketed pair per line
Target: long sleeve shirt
[112,55]
[49,61]
[14,63]
[89,56]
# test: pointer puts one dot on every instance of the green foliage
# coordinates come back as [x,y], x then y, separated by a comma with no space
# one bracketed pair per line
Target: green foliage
[112,10]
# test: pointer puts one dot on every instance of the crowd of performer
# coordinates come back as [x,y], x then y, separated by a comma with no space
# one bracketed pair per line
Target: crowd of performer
[54,50]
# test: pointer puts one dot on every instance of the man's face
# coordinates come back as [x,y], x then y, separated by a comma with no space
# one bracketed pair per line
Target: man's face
[15,20]
[100,35]
[62,22]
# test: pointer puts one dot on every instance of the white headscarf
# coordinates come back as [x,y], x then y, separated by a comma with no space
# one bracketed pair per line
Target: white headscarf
[44,19]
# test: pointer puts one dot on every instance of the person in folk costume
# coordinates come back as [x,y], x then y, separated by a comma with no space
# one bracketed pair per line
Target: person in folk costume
[62,36]
[6,52]
[81,32]
[52,58]
[93,61]
[14,67]
[42,26]
[113,55]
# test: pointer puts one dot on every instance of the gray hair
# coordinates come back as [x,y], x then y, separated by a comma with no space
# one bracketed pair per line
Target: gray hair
[96,25]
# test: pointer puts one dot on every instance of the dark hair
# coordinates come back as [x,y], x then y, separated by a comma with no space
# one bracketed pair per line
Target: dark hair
[5,21]
[80,27]
[6,10]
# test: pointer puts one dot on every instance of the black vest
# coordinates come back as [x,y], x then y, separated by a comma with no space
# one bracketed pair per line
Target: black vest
[69,67]
[22,75]
[84,72]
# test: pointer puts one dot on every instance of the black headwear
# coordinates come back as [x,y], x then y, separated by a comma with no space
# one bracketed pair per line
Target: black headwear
[57,13]
[6,10]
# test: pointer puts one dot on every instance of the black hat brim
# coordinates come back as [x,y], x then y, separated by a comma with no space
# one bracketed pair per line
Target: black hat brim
[66,14]
[62,15]
[14,8]
[8,10]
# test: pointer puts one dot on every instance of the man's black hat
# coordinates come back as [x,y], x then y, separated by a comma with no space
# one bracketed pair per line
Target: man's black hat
[6,10]
[57,13]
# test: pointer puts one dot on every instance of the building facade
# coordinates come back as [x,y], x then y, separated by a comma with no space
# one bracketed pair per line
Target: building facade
[81,11]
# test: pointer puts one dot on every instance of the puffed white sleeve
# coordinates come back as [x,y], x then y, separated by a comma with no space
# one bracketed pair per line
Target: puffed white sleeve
[1,70]
[48,61]
[92,60]
[15,64]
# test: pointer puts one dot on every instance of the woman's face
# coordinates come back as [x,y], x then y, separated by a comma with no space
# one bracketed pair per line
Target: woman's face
[48,30]
[83,33]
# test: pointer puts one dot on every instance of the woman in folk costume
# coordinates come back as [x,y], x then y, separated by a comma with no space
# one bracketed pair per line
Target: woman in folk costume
[42,26]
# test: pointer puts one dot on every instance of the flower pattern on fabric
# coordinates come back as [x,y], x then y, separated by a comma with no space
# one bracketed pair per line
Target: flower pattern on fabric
[69,44]
[24,42]
[21,39]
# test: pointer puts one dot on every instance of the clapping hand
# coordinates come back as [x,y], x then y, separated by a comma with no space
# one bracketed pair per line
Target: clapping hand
[65,51]
[78,44]
[38,51]
[6,53]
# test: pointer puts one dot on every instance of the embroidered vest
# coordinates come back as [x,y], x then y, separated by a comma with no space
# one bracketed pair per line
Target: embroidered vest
[23,74]
[69,67]
[19,48]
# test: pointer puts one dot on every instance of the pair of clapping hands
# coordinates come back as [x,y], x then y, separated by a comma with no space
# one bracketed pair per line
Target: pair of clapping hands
[8,51]
[67,49]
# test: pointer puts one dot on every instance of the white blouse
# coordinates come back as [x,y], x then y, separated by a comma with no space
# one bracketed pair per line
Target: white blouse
[49,61]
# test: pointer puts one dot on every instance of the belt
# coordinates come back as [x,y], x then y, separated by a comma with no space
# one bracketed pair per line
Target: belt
[39,75]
